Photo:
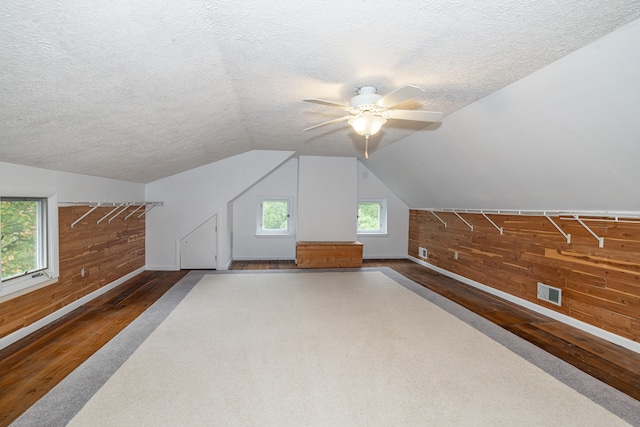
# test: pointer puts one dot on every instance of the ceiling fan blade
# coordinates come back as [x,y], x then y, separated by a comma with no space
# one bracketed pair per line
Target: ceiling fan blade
[416,115]
[327,103]
[399,96]
[339,119]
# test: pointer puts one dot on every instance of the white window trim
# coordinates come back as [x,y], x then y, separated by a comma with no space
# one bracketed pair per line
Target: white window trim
[21,285]
[382,231]
[290,231]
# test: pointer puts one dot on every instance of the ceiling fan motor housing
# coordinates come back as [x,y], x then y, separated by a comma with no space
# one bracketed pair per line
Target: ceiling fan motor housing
[366,95]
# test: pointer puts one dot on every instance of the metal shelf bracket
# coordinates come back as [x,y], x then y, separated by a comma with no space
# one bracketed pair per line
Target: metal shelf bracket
[146,211]
[110,212]
[118,209]
[631,217]
[126,206]
[492,223]
[600,239]
[566,235]
[463,220]
[84,216]
[132,212]
[440,219]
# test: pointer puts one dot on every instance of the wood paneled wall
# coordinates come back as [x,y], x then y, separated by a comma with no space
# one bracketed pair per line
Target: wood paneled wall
[600,286]
[107,251]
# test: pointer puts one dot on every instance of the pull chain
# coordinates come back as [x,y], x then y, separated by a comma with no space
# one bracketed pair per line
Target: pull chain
[366,146]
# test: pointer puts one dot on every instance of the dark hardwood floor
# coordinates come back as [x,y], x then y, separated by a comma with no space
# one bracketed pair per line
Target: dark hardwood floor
[31,367]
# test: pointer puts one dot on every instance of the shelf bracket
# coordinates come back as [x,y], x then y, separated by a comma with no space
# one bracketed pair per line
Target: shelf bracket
[600,239]
[439,219]
[123,209]
[492,223]
[146,211]
[132,212]
[85,215]
[463,220]
[566,235]
[110,212]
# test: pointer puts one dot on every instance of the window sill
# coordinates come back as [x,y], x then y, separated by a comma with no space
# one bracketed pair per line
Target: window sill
[373,234]
[276,235]
[24,287]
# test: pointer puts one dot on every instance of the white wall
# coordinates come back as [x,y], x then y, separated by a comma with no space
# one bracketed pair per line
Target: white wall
[82,188]
[283,182]
[394,244]
[327,199]
[565,138]
[17,180]
[192,197]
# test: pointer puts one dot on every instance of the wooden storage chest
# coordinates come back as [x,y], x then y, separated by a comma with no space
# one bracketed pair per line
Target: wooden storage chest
[329,254]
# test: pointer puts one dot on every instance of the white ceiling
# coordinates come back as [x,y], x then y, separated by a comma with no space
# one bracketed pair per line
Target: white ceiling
[140,90]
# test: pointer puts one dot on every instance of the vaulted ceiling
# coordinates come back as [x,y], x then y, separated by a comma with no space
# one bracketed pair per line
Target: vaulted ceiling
[140,90]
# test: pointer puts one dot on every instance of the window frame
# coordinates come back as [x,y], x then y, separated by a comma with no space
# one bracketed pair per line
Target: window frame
[382,218]
[48,252]
[289,231]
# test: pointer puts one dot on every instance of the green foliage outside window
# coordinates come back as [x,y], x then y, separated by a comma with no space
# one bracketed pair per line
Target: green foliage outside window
[275,214]
[368,216]
[19,234]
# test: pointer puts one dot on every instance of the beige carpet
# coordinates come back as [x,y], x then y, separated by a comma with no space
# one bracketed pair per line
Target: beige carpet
[326,349]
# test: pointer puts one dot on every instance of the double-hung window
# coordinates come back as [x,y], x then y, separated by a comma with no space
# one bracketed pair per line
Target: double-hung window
[275,216]
[372,216]
[25,243]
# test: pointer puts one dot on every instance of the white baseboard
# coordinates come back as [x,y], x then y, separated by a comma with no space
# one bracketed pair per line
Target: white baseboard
[601,333]
[29,329]
[289,258]
[263,258]
[162,268]
[400,256]
[226,266]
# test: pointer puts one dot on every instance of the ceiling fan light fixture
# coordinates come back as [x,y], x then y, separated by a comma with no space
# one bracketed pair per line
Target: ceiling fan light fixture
[367,124]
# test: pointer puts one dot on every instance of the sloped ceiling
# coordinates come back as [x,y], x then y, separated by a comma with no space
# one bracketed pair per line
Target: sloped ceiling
[140,90]
[566,137]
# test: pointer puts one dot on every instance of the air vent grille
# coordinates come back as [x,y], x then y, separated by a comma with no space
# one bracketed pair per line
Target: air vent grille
[549,294]
[422,252]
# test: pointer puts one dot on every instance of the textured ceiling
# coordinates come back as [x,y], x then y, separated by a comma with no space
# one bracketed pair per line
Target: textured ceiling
[145,89]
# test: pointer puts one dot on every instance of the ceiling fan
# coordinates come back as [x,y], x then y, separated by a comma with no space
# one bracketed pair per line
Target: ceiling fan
[368,110]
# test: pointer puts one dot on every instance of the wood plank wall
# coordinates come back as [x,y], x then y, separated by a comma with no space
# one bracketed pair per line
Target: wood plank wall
[107,251]
[600,286]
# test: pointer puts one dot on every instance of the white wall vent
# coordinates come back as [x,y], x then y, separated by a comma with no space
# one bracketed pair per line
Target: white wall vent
[422,252]
[549,294]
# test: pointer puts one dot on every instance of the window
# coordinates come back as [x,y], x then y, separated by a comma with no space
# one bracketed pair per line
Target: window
[23,225]
[25,243]
[275,216]
[372,217]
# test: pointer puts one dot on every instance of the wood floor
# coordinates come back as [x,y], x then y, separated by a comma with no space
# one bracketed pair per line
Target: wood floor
[34,365]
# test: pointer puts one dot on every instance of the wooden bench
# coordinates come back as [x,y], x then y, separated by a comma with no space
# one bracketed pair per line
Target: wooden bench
[329,254]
